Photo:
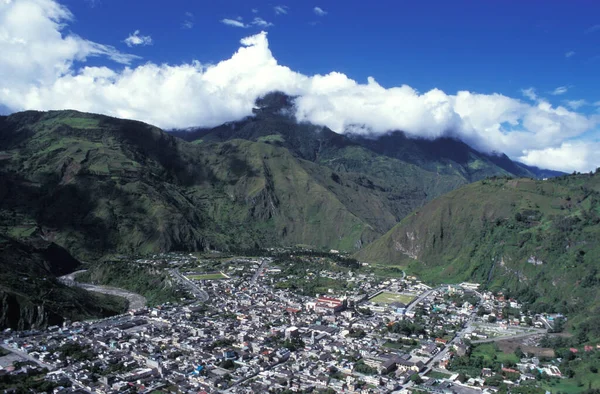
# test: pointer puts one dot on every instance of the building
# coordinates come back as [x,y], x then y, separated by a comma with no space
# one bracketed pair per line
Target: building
[329,305]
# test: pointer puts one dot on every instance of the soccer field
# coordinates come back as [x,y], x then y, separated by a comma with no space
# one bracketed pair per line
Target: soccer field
[388,298]
[211,276]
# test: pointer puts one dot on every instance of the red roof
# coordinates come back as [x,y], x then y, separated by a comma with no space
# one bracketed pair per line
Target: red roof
[329,299]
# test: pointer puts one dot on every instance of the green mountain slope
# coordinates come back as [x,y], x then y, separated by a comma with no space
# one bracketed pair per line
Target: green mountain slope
[538,239]
[98,185]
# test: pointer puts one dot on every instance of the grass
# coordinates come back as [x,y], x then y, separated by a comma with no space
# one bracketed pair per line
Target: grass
[271,138]
[438,375]
[388,298]
[210,276]
[490,352]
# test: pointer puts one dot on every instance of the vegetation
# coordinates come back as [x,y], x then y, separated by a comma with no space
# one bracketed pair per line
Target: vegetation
[151,282]
[30,294]
[538,241]
[212,276]
[102,185]
[31,381]
[388,298]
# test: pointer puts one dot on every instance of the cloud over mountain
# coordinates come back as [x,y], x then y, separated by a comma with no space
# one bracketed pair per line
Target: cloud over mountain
[43,61]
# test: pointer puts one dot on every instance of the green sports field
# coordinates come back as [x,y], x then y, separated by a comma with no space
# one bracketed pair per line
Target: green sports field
[211,276]
[388,298]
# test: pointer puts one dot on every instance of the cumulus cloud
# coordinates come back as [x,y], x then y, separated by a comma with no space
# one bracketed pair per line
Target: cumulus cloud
[281,9]
[33,47]
[136,39]
[319,11]
[47,73]
[573,156]
[569,54]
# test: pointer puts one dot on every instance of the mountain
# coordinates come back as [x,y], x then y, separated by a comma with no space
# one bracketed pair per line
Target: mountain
[32,297]
[98,185]
[539,240]
[541,173]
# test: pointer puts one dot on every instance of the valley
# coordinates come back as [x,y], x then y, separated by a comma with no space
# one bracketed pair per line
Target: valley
[250,334]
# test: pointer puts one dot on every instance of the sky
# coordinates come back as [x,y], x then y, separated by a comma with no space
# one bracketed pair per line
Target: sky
[519,77]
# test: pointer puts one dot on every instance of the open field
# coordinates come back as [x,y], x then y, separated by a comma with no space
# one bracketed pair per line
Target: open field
[209,276]
[509,346]
[438,375]
[388,298]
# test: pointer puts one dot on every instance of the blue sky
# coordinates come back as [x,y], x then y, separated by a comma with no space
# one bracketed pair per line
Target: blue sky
[519,77]
[483,46]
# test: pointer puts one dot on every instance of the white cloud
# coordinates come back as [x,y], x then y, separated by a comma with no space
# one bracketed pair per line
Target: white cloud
[573,156]
[34,46]
[559,90]
[257,21]
[529,93]
[46,73]
[135,39]
[593,29]
[234,23]
[281,9]
[254,11]
[260,22]
[188,23]
[569,54]
[575,104]
[319,11]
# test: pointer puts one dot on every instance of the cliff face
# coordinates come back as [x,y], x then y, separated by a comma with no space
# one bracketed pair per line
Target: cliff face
[20,313]
[32,297]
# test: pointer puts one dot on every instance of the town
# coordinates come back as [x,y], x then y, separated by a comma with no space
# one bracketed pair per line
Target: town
[257,325]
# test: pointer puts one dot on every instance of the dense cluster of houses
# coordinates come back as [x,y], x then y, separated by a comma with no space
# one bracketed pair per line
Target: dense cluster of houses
[251,337]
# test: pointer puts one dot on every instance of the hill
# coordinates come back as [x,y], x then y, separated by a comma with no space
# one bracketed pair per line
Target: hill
[539,240]
[98,185]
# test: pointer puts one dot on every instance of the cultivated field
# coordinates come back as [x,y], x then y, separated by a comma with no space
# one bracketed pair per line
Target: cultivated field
[388,298]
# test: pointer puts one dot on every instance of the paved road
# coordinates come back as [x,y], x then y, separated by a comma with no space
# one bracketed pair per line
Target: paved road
[419,299]
[259,271]
[28,357]
[136,301]
[190,285]
[509,337]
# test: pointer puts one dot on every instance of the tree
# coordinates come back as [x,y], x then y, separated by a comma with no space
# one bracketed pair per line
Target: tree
[416,379]
[519,353]
[228,364]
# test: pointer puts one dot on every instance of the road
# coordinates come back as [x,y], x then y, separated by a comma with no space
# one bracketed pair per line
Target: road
[259,271]
[190,285]
[509,337]
[28,357]
[457,337]
[419,299]
[136,301]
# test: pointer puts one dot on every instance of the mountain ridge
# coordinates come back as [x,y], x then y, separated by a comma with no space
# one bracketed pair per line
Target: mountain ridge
[96,186]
